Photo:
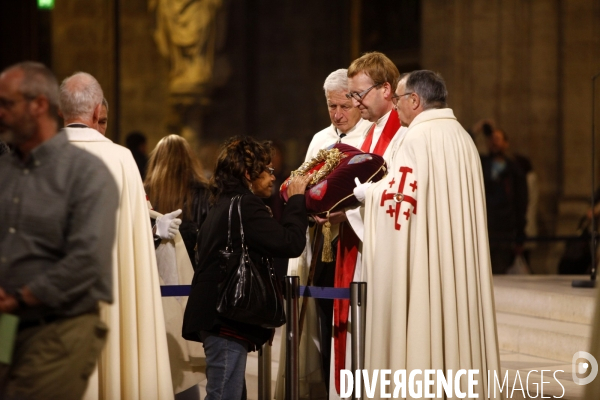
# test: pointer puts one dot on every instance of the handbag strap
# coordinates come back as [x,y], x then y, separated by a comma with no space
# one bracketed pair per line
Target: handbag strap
[229,242]
[241,226]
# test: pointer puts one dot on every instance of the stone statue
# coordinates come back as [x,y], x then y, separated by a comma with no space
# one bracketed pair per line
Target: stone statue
[186,34]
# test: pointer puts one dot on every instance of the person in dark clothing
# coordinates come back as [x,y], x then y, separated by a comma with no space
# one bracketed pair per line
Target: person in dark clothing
[136,142]
[506,199]
[4,149]
[243,168]
[175,181]
[58,207]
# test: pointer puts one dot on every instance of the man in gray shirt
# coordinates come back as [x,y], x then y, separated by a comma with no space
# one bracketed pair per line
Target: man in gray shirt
[57,211]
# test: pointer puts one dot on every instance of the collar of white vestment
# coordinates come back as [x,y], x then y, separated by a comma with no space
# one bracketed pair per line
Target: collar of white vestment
[85,134]
[76,125]
[383,120]
[341,135]
[434,113]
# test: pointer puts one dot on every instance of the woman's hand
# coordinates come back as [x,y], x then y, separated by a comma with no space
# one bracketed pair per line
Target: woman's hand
[298,185]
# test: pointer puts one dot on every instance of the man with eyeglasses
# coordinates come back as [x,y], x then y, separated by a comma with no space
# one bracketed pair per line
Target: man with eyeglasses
[372,79]
[57,210]
[426,255]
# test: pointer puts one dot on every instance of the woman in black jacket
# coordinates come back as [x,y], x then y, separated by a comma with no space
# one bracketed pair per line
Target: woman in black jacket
[243,168]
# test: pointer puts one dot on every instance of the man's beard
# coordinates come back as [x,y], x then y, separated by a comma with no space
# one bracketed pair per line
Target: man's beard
[8,136]
[25,130]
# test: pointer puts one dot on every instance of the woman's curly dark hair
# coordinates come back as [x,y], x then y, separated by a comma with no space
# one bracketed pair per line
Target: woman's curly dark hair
[238,155]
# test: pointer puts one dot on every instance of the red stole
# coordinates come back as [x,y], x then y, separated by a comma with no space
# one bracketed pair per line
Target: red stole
[389,130]
[347,254]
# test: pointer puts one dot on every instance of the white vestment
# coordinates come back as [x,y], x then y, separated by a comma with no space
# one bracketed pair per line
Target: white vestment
[134,364]
[330,135]
[187,359]
[430,300]
[354,214]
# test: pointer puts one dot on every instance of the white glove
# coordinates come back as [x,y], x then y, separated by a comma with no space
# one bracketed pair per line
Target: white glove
[360,190]
[167,226]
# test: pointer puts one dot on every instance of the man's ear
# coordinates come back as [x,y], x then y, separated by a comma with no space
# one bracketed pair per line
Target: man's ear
[415,101]
[96,116]
[39,105]
[247,175]
[387,91]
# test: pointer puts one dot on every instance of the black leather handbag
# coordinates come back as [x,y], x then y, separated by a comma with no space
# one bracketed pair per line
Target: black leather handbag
[250,292]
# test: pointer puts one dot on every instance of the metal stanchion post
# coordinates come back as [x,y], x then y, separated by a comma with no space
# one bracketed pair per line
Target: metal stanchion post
[358,316]
[292,288]
[264,372]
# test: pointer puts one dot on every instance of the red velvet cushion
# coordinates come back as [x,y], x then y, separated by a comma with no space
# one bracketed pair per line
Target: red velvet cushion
[335,191]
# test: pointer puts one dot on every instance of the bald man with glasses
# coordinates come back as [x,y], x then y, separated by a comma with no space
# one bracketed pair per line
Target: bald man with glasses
[426,260]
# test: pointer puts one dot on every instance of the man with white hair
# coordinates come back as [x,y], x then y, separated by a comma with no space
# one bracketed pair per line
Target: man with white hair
[346,124]
[347,127]
[135,362]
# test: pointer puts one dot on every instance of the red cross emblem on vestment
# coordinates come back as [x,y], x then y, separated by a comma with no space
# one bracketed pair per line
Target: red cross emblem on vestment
[399,197]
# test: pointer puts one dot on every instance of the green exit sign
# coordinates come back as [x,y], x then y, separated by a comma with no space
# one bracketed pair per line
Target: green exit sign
[45,4]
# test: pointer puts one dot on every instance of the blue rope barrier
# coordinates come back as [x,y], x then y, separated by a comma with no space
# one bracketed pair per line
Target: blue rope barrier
[318,292]
[175,290]
[315,292]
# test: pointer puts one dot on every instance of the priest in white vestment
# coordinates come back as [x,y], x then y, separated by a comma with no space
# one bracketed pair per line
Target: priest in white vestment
[346,123]
[346,127]
[134,364]
[430,301]
[372,79]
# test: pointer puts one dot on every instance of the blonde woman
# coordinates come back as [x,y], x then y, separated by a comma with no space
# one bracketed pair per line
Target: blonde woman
[174,181]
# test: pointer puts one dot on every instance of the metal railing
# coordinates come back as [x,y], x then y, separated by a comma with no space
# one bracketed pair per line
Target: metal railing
[358,313]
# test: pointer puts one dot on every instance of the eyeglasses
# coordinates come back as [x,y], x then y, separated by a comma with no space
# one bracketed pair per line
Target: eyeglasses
[271,170]
[8,104]
[359,96]
[396,97]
